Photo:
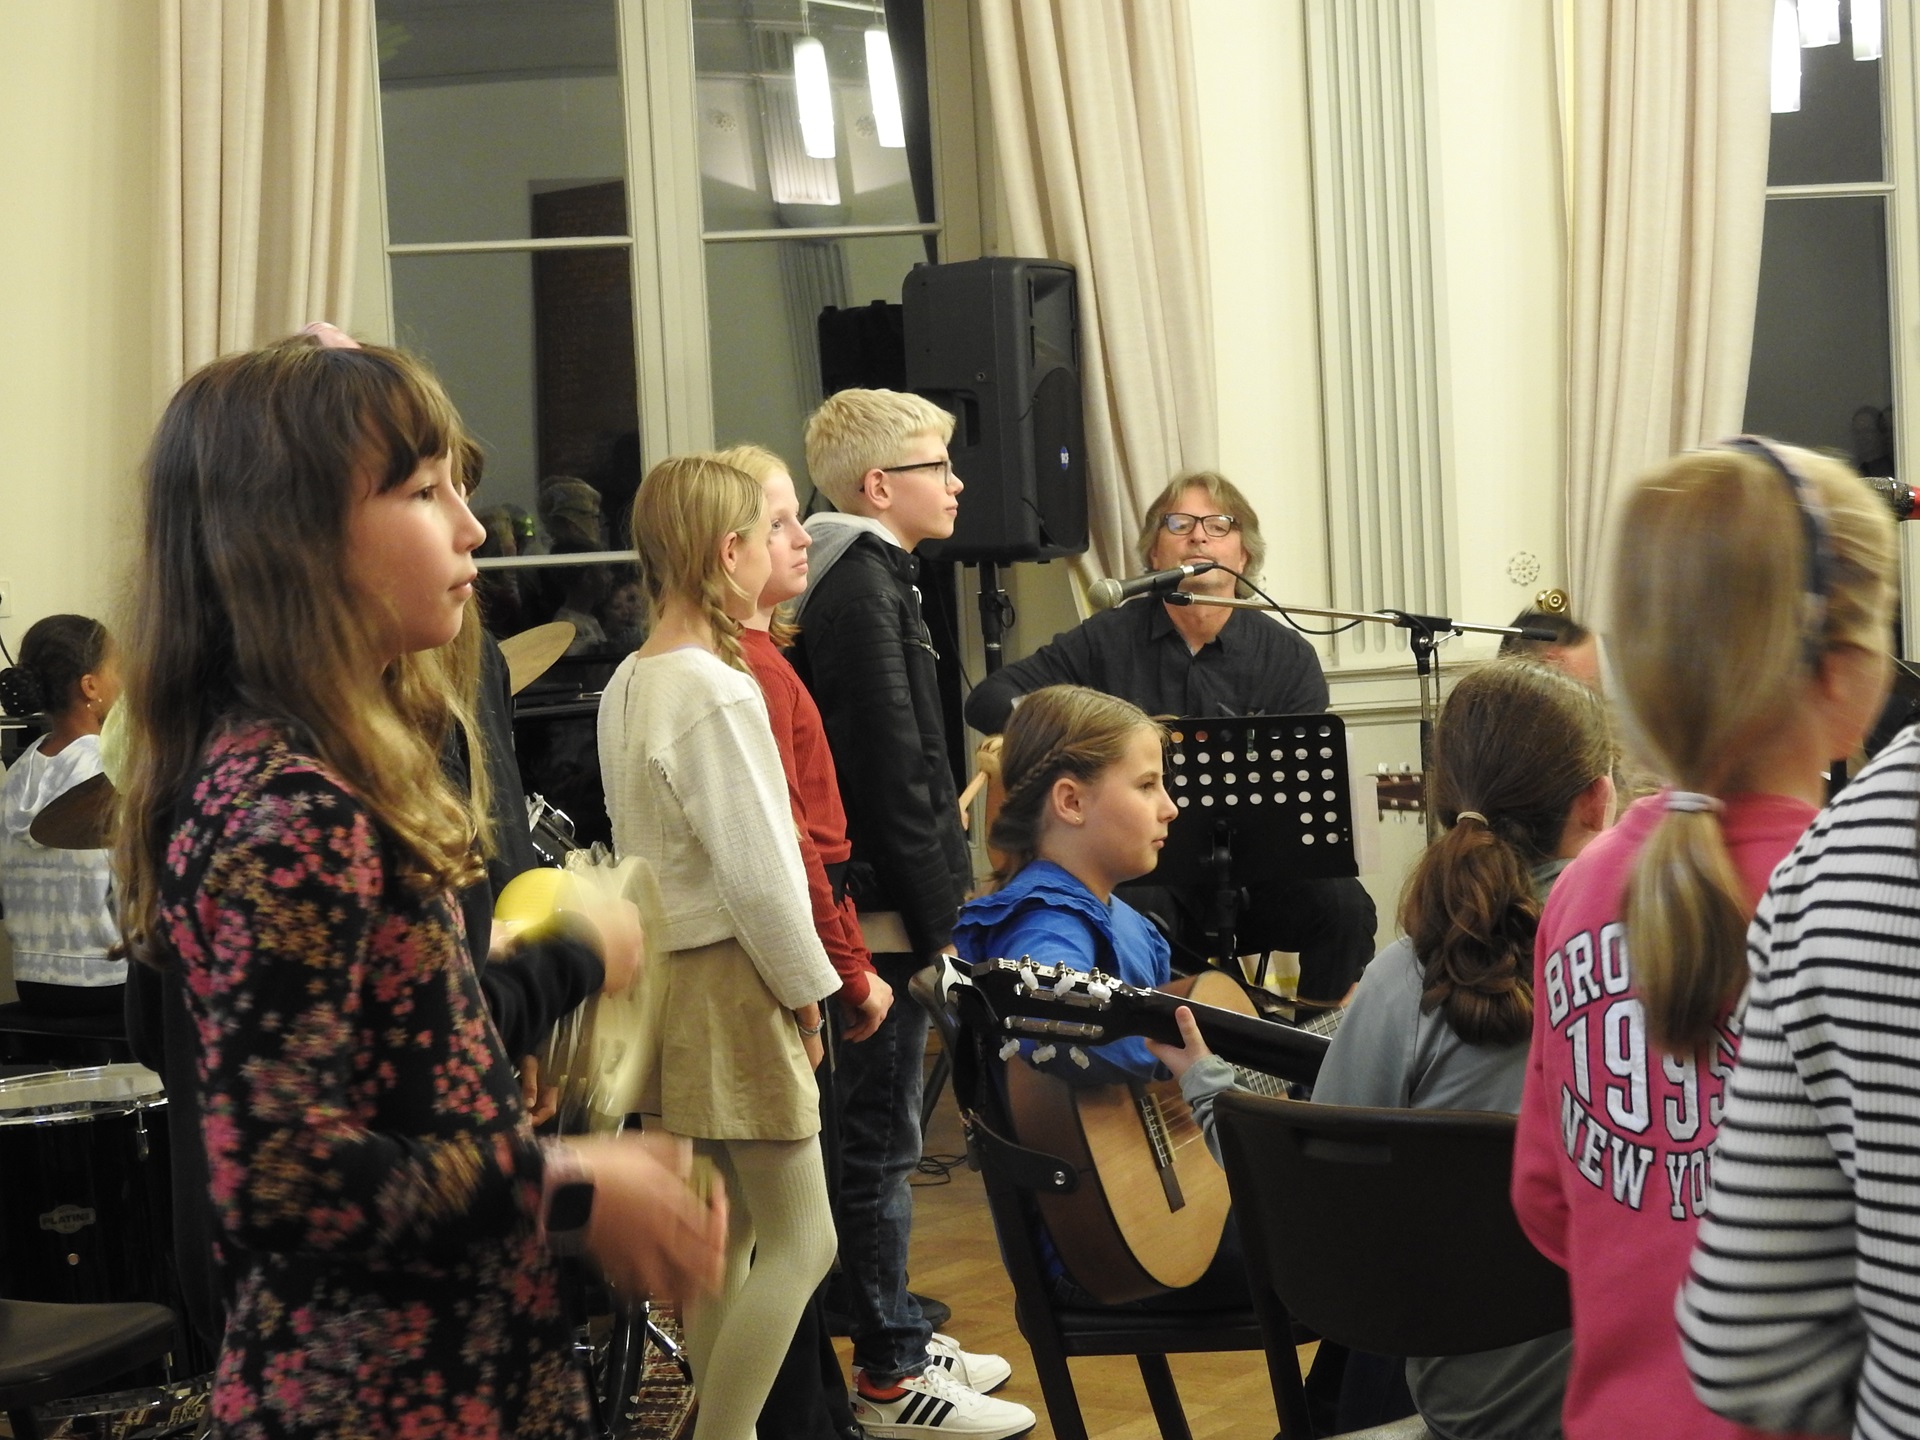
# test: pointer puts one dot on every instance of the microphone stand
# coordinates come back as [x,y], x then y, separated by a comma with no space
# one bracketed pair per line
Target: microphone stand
[1423,637]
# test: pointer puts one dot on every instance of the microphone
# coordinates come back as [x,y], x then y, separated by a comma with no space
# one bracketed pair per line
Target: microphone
[1105,594]
[1900,496]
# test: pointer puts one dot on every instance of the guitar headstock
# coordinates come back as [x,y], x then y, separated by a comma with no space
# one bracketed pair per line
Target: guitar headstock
[1037,999]
[1401,792]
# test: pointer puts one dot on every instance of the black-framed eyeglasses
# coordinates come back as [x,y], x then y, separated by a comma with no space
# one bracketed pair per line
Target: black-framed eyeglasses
[944,467]
[1217,527]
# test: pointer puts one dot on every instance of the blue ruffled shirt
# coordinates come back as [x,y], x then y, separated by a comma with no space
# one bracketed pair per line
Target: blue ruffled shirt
[1046,913]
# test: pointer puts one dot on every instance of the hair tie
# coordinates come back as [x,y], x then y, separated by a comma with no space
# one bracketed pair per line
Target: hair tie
[1473,815]
[1692,802]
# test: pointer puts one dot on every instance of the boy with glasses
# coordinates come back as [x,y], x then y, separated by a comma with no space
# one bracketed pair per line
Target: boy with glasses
[865,653]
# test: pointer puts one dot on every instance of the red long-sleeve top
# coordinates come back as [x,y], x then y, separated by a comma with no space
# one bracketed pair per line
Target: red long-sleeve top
[813,791]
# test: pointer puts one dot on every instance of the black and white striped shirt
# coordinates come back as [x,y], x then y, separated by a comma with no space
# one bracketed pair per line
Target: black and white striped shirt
[1802,1311]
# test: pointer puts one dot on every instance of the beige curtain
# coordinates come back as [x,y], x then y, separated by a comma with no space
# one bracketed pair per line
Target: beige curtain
[1097,138]
[264,101]
[1665,108]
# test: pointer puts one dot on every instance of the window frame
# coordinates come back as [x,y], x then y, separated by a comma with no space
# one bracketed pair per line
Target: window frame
[667,240]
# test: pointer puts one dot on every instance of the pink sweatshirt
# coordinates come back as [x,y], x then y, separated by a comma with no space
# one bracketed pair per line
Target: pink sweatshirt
[1611,1164]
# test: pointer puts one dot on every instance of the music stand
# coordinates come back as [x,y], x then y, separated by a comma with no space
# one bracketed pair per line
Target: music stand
[1262,799]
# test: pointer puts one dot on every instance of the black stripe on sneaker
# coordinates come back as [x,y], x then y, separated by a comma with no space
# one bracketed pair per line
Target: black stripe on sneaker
[909,1414]
[945,1362]
[936,1419]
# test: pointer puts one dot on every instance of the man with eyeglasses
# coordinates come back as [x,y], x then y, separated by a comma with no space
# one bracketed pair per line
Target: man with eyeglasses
[1181,660]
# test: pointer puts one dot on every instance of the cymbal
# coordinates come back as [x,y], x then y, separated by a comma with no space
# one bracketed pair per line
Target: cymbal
[531,653]
[81,819]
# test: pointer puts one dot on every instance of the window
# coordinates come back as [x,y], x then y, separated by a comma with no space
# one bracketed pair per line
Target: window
[605,232]
[1822,373]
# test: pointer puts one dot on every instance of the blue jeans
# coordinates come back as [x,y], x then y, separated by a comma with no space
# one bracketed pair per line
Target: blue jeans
[878,1087]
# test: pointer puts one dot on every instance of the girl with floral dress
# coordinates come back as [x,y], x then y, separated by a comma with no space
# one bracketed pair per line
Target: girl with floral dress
[383,1213]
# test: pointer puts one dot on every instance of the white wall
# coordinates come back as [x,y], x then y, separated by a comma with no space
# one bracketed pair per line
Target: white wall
[80,381]
[1499,287]
[79,384]
[1495,150]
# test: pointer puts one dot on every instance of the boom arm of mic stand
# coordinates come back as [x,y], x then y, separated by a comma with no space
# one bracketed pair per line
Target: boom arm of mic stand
[1423,632]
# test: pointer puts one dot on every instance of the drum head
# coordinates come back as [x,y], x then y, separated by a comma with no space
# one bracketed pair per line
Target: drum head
[37,1099]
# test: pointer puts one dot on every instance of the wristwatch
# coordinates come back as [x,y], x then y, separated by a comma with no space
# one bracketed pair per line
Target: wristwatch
[566,1203]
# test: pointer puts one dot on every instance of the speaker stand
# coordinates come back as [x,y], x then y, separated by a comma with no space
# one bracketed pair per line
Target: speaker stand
[995,608]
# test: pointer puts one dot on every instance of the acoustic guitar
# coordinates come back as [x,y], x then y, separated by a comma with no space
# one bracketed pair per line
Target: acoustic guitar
[1147,1214]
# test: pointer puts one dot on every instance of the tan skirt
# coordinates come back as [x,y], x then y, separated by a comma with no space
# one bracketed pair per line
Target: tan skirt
[728,1063]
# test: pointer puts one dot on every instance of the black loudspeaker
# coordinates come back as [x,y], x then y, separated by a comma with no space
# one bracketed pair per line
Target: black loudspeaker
[862,349]
[997,342]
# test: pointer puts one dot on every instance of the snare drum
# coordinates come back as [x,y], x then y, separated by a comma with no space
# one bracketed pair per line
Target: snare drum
[85,1208]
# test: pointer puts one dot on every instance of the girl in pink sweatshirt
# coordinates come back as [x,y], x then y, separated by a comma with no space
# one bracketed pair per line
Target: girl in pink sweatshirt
[1748,647]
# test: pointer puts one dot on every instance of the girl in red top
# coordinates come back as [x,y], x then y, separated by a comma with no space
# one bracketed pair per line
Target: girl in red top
[1748,646]
[811,785]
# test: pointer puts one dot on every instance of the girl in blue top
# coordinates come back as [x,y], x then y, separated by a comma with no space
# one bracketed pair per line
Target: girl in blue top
[1085,810]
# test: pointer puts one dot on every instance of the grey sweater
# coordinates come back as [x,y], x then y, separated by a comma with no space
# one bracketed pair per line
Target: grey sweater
[1389,1053]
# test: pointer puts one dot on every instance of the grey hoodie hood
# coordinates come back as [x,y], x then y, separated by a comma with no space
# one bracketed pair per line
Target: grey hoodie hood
[36,781]
[833,535]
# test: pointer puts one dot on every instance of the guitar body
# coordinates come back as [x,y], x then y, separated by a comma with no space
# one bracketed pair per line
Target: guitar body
[1152,1201]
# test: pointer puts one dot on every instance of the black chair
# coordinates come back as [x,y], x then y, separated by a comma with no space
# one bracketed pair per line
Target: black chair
[1055,1332]
[1388,1231]
[51,1352]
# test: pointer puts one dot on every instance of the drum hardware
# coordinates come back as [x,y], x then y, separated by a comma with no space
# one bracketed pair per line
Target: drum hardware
[86,1213]
[551,829]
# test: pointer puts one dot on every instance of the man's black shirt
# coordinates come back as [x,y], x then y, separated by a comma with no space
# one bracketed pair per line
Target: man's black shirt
[1255,666]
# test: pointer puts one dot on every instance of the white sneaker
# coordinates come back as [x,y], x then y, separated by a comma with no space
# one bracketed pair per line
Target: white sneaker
[934,1404]
[981,1373]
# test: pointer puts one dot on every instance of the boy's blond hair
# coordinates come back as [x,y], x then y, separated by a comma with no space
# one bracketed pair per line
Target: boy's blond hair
[860,430]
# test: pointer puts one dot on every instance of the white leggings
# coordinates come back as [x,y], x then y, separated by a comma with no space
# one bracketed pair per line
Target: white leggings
[780,1243]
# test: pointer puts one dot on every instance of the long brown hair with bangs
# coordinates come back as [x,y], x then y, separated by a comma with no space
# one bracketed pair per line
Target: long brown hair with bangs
[242,609]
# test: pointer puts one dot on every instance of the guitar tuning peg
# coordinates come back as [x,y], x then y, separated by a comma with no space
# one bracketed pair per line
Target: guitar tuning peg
[1010,1049]
[1068,979]
[1100,992]
[1043,1054]
[1079,1057]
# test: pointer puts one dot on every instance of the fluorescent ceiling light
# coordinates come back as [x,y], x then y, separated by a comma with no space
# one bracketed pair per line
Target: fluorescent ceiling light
[1866,29]
[1819,23]
[884,92]
[1786,58]
[814,94]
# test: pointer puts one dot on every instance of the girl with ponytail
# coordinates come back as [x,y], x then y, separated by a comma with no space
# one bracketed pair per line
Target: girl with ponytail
[1752,588]
[1521,778]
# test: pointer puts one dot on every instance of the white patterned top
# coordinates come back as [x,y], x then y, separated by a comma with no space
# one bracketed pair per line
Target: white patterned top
[58,912]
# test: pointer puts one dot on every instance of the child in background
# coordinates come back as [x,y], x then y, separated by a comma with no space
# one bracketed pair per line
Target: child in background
[58,914]
[1751,593]
[1521,767]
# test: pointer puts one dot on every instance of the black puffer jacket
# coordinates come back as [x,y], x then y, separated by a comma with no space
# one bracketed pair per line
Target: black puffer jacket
[865,654]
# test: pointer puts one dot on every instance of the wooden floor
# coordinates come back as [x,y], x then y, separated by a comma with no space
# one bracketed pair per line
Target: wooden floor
[955,1259]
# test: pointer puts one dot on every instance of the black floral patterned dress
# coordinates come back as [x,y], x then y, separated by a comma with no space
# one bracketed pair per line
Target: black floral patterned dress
[373,1174]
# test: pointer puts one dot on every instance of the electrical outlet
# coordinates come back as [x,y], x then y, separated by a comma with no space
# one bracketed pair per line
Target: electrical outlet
[6,599]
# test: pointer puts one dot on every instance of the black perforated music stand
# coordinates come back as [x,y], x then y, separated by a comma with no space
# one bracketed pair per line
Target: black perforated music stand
[1262,799]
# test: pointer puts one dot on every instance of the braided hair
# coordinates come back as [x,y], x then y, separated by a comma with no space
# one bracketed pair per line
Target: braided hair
[1516,744]
[1063,730]
[55,655]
